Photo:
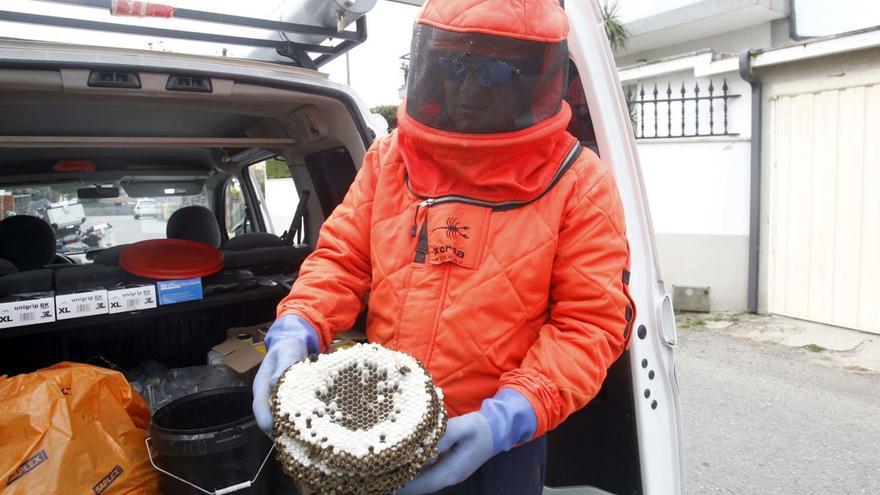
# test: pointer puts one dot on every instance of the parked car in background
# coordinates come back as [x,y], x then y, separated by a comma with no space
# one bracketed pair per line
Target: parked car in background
[146,207]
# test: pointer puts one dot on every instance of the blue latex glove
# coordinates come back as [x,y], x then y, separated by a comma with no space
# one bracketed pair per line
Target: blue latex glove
[502,422]
[288,340]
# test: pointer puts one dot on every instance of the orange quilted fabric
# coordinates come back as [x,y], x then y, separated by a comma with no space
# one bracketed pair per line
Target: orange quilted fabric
[534,20]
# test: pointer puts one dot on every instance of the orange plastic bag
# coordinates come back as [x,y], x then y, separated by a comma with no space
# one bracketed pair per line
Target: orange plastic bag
[73,428]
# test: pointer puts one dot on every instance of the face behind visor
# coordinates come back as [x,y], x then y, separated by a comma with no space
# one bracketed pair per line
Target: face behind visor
[483,84]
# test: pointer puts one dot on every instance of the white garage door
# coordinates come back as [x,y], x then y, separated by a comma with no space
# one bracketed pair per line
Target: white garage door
[825,207]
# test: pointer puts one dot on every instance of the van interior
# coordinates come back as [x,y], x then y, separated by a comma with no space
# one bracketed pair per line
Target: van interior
[250,168]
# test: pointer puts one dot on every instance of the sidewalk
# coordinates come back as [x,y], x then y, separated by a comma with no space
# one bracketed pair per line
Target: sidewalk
[827,345]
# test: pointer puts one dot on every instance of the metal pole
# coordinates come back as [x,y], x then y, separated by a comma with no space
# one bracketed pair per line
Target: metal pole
[745,71]
[197,15]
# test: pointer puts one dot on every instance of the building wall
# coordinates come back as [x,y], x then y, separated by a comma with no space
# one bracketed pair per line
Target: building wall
[733,42]
[815,18]
[698,194]
[715,261]
[698,190]
[631,10]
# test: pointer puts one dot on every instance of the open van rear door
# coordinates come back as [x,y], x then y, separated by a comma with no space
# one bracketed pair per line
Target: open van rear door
[655,391]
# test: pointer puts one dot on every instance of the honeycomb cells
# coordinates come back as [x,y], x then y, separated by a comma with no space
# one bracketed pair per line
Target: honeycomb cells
[360,421]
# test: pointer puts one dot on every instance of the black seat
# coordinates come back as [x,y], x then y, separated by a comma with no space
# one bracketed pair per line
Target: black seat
[263,254]
[27,242]
[6,267]
[194,223]
[94,276]
[27,245]
[14,282]
[253,240]
[26,282]
[109,256]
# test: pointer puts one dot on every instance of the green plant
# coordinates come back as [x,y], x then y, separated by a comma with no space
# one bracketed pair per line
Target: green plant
[618,38]
[615,30]
[814,348]
[390,114]
[277,169]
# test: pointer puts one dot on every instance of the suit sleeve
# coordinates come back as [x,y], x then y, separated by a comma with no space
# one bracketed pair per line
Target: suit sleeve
[334,279]
[591,312]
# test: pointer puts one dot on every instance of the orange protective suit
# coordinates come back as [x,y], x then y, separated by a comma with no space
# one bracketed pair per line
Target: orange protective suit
[497,260]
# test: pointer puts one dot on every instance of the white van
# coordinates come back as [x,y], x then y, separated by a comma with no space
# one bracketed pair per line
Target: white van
[211,131]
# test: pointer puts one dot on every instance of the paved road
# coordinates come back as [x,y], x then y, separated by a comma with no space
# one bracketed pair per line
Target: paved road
[764,419]
[127,230]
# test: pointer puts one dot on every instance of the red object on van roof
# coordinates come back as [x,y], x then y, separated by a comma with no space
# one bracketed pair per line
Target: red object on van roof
[74,166]
[170,259]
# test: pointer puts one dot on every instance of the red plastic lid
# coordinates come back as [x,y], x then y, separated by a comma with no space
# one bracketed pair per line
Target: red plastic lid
[170,259]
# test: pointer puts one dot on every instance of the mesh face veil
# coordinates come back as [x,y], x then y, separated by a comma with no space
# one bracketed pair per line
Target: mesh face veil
[483,84]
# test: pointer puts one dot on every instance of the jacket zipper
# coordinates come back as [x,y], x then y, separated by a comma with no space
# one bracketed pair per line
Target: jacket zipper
[570,158]
[422,244]
[494,205]
[440,301]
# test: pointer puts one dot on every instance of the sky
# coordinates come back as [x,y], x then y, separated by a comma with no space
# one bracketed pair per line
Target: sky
[374,65]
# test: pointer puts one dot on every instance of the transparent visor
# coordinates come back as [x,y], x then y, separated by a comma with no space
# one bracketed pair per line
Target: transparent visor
[483,84]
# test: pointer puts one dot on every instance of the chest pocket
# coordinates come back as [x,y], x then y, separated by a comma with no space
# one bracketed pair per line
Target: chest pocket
[455,233]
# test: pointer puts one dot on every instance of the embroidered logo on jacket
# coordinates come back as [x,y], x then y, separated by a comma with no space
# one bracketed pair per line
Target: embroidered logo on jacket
[440,250]
[456,233]
[454,229]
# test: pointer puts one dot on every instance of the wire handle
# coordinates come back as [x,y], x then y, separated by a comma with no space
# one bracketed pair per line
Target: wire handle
[221,491]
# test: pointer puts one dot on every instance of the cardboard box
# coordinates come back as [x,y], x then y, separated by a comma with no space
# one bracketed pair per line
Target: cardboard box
[256,333]
[29,309]
[243,350]
[81,304]
[133,298]
[178,291]
[240,355]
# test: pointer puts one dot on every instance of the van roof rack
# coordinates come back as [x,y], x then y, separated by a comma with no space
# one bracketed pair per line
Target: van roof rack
[298,53]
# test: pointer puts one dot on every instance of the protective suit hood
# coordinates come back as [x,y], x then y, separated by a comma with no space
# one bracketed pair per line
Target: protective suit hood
[484,115]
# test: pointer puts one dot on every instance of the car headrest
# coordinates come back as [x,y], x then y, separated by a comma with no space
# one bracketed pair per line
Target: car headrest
[6,267]
[28,242]
[254,240]
[194,223]
[110,256]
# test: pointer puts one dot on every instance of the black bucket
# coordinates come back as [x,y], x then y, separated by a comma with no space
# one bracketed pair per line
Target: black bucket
[211,440]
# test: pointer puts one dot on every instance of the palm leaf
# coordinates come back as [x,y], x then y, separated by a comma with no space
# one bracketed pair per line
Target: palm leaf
[615,30]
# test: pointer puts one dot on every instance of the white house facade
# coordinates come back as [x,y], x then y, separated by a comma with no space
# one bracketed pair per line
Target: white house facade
[759,152]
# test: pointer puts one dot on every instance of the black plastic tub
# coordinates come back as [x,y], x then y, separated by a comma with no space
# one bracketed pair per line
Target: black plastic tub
[212,440]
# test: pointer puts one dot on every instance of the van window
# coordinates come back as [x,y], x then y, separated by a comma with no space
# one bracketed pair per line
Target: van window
[235,209]
[278,192]
[82,225]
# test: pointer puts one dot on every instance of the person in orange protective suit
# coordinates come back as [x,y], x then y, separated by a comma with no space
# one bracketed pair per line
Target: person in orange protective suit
[492,247]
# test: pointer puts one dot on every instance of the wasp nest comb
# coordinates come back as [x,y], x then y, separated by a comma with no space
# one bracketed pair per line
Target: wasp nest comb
[358,421]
